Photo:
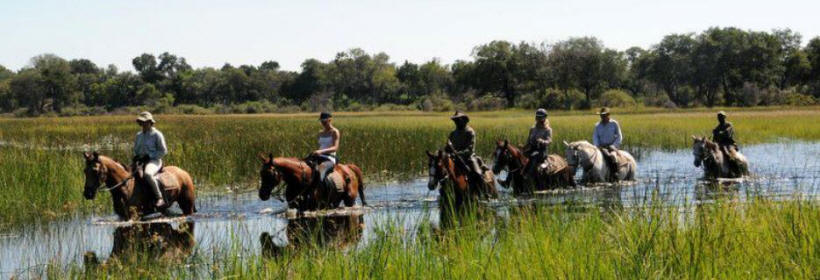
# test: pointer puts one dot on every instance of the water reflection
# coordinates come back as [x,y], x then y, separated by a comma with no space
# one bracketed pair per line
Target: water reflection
[338,231]
[149,241]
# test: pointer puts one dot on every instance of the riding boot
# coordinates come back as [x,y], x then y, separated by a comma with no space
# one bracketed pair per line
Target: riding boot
[154,186]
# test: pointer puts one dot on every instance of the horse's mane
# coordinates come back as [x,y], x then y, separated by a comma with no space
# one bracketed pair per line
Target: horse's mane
[584,143]
[125,167]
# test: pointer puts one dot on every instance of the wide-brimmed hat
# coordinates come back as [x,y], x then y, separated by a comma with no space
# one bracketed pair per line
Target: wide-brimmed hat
[722,113]
[146,117]
[541,113]
[324,116]
[603,111]
[459,115]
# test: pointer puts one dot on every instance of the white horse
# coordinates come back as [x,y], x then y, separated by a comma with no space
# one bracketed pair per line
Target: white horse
[591,159]
[715,163]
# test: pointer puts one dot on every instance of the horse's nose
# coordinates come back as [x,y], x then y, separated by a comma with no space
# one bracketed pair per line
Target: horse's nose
[697,163]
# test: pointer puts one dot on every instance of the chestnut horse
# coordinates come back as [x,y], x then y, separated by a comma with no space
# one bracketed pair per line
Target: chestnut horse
[456,189]
[302,190]
[132,200]
[510,157]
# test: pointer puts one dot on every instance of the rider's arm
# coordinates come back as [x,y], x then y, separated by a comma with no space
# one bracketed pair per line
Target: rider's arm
[595,140]
[137,143]
[618,136]
[162,149]
[471,147]
[547,138]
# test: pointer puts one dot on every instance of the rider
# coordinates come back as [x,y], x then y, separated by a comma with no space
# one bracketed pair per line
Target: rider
[149,148]
[724,133]
[539,140]
[328,145]
[607,137]
[463,142]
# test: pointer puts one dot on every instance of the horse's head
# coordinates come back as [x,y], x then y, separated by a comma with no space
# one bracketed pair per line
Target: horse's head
[436,172]
[501,156]
[579,153]
[702,149]
[271,177]
[95,174]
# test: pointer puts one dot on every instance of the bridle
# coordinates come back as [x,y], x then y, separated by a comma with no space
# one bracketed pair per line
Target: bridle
[102,177]
[592,159]
[508,156]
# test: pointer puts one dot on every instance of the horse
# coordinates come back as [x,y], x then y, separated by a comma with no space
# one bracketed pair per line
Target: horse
[456,187]
[302,190]
[716,164]
[132,200]
[591,159]
[510,157]
[159,241]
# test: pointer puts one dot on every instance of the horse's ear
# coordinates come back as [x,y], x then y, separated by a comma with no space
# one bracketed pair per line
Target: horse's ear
[440,153]
[87,155]
[565,143]
[262,157]
[694,138]
[506,142]
[96,156]
[429,154]
[270,157]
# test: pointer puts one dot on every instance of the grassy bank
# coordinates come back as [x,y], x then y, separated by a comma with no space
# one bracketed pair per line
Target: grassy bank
[755,240]
[41,168]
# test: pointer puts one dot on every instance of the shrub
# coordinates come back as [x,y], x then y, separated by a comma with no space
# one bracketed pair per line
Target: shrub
[436,102]
[486,103]
[616,98]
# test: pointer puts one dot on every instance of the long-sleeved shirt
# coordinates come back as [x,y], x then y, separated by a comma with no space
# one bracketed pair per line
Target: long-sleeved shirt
[538,133]
[724,134]
[151,144]
[463,141]
[607,134]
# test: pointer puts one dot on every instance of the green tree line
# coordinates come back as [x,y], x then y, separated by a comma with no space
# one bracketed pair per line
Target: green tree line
[717,67]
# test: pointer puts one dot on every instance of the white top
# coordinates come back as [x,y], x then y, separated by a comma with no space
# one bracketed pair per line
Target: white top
[151,144]
[607,134]
[326,142]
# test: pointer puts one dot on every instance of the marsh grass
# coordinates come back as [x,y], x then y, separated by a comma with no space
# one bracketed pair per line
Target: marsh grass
[41,166]
[759,239]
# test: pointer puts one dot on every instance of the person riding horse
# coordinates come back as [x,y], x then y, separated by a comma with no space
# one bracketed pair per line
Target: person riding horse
[462,141]
[149,148]
[325,156]
[538,142]
[607,137]
[724,133]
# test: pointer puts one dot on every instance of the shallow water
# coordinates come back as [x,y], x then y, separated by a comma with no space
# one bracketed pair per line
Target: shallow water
[781,171]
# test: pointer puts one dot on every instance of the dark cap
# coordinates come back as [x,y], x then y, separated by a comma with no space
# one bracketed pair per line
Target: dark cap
[722,113]
[541,113]
[324,116]
[459,115]
[604,111]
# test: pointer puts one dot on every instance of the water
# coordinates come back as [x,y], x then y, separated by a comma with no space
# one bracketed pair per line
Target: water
[781,171]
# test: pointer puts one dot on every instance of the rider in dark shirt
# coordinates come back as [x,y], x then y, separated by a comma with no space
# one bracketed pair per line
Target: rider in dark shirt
[463,142]
[724,133]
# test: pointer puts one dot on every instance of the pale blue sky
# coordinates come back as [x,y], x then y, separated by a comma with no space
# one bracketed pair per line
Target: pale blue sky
[210,33]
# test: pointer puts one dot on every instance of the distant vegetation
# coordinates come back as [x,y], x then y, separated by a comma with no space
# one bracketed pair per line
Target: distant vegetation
[717,67]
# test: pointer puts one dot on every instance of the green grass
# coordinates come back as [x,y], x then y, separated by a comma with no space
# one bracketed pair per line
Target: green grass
[759,239]
[40,162]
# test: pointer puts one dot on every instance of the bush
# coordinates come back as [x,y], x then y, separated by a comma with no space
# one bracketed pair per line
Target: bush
[616,98]
[193,109]
[798,99]
[551,98]
[435,102]
[487,103]
[82,110]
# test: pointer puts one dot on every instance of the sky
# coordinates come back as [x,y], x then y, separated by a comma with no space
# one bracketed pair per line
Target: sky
[212,33]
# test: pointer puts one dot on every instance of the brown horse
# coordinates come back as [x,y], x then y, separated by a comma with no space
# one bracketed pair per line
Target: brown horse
[303,191]
[456,187]
[510,157]
[132,200]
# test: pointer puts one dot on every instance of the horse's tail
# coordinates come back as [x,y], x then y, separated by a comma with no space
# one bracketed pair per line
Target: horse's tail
[360,178]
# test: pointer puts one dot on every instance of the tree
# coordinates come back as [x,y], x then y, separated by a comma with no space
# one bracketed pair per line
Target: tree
[585,64]
[146,65]
[671,66]
[56,80]
[27,89]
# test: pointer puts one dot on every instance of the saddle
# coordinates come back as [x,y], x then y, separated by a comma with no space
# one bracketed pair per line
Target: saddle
[552,165]
[165,180]
[340,178]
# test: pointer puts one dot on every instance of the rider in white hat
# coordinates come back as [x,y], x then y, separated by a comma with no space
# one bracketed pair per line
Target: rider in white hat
[149,148]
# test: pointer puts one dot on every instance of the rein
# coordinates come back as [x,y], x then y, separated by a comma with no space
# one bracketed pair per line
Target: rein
[120,184]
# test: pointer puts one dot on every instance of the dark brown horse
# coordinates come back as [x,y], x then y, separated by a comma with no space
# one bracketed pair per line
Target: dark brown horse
[302,190]
[456,186]
[556,175]
[132,200]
